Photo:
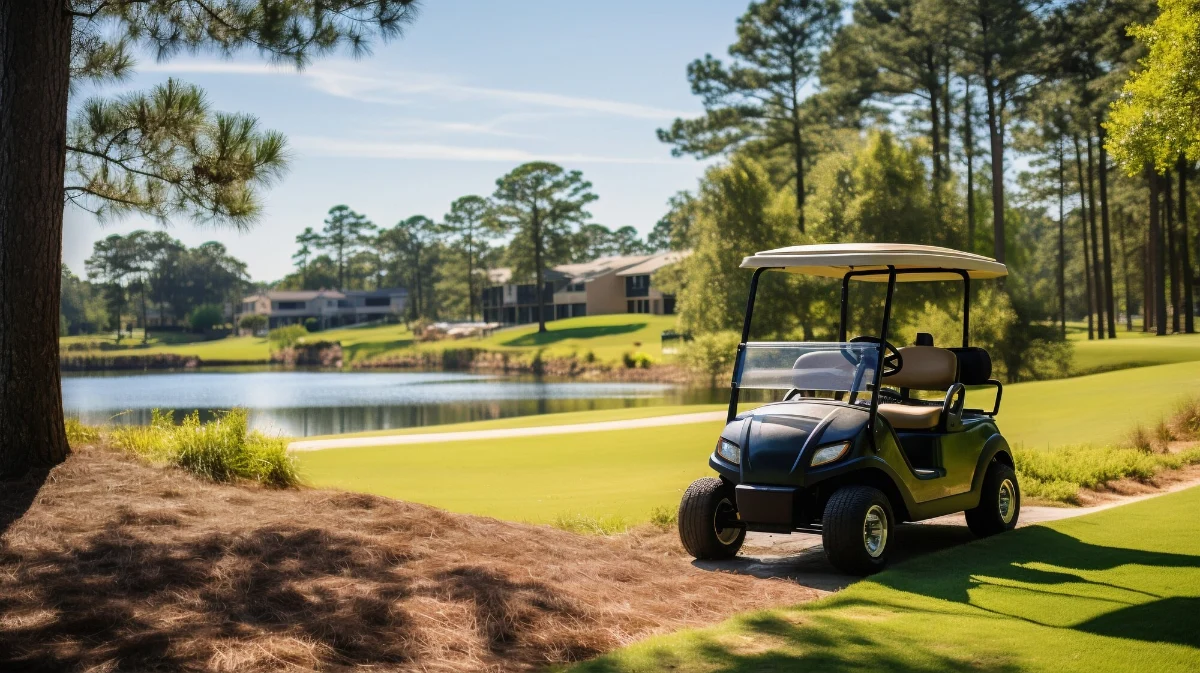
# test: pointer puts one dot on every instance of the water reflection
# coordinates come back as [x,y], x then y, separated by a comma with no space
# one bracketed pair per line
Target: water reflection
[300,403]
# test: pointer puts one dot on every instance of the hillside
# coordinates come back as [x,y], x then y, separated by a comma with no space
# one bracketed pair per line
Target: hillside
[114,565]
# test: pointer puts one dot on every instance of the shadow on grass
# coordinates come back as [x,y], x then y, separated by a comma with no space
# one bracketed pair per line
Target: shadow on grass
[370,349]
[18,496]
[553,336]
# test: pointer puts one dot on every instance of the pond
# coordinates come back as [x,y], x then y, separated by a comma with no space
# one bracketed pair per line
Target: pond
[306,403]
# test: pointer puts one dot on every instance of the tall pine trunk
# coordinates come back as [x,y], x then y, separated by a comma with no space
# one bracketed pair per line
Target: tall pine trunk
[997,148]
[798,158]
[1105,235]
[1062,242]
[1125,273]
[1168,225]
[1189,324]
[1097,267]
[1158,294]
[1083,227]
[539,273]
[35,57]
[969,151]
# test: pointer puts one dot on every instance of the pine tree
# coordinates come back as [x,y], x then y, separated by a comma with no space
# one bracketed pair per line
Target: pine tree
[164,153]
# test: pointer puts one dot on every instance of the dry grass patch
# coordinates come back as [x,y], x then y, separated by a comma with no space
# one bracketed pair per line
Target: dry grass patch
[108,563]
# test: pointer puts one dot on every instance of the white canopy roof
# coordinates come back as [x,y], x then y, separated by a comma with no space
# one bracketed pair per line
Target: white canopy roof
[834,260]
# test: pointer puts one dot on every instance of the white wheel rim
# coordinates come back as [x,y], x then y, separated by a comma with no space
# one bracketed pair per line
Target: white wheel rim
[875,531]
[1007,501]
[725,536]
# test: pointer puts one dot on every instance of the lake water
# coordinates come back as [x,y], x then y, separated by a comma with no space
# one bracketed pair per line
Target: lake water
[305,403]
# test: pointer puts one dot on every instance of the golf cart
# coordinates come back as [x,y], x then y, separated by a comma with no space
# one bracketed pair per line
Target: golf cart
[852,449]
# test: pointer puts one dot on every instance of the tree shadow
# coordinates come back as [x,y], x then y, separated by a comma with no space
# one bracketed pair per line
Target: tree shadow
[362,351]
[552,336]
[1167,620]
[18,495]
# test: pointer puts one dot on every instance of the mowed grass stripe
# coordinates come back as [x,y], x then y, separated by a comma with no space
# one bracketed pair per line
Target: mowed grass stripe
[629,473]
[1082,595]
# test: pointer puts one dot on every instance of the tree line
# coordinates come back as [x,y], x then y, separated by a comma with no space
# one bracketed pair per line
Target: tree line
[537,218]
[914,120]
[130,275]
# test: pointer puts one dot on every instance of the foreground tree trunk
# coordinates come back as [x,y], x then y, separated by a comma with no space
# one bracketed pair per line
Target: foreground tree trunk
[35,55]
[1168,225]
[1106,237]
[1158,295]
[1097,266]
[1189,324]
[995,133]
[1083,224]
[1062,243]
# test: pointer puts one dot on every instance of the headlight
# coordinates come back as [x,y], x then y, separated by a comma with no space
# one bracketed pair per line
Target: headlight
[729,451]
[828,454]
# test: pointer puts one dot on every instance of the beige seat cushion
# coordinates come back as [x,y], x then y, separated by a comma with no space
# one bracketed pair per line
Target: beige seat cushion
[910,417]
[925,368]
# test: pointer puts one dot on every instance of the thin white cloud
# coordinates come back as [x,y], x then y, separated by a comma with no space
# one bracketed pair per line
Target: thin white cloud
[339,147]
[360,84]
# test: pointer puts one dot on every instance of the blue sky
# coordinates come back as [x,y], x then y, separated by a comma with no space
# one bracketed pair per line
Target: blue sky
[473,89]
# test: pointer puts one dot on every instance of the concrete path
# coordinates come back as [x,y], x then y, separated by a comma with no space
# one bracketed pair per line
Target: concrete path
[475,435]
[799,557]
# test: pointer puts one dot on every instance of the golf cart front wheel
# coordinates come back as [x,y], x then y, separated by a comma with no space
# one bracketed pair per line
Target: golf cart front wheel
[999,504]
[856,529]
[708,520]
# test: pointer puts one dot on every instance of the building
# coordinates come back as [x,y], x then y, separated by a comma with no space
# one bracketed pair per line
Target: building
[600,287]
[329,308]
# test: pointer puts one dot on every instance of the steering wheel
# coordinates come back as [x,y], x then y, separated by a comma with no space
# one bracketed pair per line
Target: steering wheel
[892,360]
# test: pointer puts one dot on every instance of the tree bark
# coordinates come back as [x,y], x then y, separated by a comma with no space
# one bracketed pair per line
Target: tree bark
[1083,227]
[35,56]
[997,147]
[969,151]
[1189,324]
[1168,225]
[798,157]
[1156,257]
[1125,274]
[1110,302]
[538,272]
[1097,266]
[1062,244]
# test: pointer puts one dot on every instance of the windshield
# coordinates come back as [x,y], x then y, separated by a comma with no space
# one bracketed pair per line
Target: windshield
[817,367]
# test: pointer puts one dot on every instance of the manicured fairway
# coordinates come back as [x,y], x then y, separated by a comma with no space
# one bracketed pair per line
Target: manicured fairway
[1134,349]
[1076,595]
[628,473]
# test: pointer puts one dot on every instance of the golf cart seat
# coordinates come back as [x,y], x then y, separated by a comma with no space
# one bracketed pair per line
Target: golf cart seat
[925,368]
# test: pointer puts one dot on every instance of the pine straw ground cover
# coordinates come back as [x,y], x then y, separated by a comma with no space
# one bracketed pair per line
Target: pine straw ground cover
[108,563]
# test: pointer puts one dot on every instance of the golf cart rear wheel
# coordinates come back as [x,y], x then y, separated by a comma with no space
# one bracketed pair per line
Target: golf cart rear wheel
[856,529]
[999,504]
[708,520]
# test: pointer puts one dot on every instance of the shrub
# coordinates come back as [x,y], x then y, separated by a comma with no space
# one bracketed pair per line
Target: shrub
[254,322]
[711,354]
[638,360]
[79,434]
[1058,474]
[286,336]
[206,317]
[591,525]
[312,324]
[221,450]
[663,517]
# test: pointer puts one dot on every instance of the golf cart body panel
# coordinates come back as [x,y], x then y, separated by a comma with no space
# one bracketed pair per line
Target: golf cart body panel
[832,455]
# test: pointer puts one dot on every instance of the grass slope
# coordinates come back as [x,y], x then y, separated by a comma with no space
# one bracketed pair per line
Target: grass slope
[628,473]
[606,337]
[1134,349]
[1075,595]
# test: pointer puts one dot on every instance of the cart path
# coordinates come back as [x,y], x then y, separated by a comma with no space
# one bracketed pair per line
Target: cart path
[800,557]
[504,433]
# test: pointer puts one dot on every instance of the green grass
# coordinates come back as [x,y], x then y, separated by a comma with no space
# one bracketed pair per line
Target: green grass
[1076,595]
[1134,349]
[541,420]
[626,474]
[1057,474]
[223,449]
[605,337]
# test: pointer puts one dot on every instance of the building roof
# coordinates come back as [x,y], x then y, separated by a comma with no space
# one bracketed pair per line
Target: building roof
[836,259]
[380,292]
[297,295]
[504,275]
[601,266]
[654,263]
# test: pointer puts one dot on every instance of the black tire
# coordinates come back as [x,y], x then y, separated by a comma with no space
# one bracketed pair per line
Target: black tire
[991,516]
[703,503]
[844,529]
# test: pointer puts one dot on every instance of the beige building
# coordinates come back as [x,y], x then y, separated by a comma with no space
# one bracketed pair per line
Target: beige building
[600,287]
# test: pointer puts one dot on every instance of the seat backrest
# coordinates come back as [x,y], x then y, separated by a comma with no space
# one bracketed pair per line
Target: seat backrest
[974,365]
[925,368]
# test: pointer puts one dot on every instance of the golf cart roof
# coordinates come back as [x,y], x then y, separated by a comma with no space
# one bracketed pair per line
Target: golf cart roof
[835,260]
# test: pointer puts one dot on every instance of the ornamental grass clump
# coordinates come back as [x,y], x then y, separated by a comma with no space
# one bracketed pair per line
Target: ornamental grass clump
[223,449]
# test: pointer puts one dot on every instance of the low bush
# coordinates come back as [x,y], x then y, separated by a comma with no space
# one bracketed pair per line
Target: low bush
[711,354]
[286,336]
[80,434]
[663,517]
[638,360]
[1058,474]
[591,525]
[206,317]
[223,449]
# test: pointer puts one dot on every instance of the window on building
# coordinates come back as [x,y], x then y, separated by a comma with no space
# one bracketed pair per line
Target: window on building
[577,287]
[289,305]
[578,310]
[378,301]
